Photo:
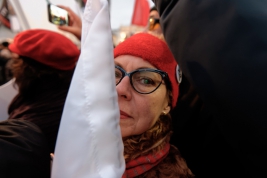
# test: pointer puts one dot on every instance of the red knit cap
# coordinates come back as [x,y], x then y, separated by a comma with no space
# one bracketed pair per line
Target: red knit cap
[47,47]
[156,52]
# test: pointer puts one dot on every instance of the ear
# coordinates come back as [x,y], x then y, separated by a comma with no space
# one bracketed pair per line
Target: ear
[166,110]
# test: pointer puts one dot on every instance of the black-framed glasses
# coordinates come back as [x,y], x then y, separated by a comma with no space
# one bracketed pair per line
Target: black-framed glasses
[143,81]
[152,22]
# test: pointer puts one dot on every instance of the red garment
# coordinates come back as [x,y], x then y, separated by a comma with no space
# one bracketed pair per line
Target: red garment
[140,13]
[154,51]
[142,164]
[46,47]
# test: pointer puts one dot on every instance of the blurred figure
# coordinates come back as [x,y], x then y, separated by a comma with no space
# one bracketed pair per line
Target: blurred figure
[4,52]
[5,55]
[3,62]
[43,63]
[153,22]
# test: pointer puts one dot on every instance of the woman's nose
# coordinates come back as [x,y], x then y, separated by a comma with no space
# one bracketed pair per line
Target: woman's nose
[124,88]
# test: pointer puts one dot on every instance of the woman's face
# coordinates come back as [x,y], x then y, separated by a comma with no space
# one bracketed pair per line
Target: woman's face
[156,28]
[138,112]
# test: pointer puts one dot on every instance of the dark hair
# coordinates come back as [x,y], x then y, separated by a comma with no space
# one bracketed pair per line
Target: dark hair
[29,73]
[169,91]
[5,43]
[153,9]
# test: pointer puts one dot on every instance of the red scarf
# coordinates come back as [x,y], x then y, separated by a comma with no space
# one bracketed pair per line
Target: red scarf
[142,164]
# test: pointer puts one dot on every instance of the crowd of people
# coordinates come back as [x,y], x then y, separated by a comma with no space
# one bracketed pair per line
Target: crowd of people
[208,121]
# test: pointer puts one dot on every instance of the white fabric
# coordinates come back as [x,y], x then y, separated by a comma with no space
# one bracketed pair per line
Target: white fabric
[7,93]
[89,143]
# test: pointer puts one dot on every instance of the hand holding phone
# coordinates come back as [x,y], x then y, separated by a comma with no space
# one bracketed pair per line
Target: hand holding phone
[57,15]
[75,23]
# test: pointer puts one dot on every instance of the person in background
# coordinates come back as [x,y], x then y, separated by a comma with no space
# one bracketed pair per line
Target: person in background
[3,62]
[145,73]
[153,25]
[4,52]
[43,64]
[221,48]
[5,55]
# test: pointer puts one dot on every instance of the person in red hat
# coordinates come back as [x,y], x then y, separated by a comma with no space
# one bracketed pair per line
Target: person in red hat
[147,87]
[43,65]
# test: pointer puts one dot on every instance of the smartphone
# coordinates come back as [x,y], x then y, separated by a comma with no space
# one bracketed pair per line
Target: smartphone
[57,15]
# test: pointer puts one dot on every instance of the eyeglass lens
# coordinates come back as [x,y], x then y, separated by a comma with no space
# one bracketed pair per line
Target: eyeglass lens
[142,81]
[153,23]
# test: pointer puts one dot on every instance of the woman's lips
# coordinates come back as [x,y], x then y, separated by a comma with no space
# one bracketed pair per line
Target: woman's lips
[124,115]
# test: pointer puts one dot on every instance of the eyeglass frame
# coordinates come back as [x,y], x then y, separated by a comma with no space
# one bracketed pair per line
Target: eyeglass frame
[156,21]
[163,75]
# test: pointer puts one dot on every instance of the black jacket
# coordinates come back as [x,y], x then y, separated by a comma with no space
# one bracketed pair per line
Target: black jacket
[221,46]
[23,150]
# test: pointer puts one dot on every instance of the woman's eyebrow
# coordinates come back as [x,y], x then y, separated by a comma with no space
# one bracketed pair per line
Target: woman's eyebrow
[118,64]
[146,68]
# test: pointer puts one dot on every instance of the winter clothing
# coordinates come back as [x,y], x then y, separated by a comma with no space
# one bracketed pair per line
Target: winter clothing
[221,48]
[47,47]
[23,150]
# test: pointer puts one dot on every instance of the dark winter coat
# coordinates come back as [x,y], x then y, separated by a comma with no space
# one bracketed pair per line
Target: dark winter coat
[221,46]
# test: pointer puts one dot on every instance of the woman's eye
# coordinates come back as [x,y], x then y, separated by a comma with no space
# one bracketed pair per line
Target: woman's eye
[118,74]
[146,81]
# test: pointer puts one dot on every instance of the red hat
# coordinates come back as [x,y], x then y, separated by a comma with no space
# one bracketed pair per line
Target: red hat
[156,52]
[47,47]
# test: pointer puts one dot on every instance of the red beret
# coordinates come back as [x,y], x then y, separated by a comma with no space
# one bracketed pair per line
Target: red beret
[156,52]
[47,47]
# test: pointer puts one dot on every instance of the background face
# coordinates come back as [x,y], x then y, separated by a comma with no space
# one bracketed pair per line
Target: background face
[157,28]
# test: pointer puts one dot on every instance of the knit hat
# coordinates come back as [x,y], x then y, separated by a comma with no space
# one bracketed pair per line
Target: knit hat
[47,47]
[156,52]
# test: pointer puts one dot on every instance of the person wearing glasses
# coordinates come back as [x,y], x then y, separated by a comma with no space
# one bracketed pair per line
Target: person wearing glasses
[147,87]
[153,25]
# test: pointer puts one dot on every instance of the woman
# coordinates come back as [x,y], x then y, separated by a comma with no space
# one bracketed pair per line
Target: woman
[146,98]
[43,65]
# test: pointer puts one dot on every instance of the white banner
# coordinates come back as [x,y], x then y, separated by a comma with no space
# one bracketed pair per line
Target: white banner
[89,143]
